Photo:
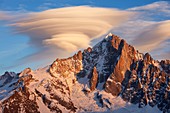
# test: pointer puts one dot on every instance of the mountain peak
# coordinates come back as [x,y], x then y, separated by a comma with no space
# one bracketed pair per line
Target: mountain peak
[111,71]
[8,74]
[108,36]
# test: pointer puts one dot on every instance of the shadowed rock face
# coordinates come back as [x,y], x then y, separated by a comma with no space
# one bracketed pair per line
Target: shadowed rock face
[124,71]
[20,102]
[27,94]
[165,64]
[112,66]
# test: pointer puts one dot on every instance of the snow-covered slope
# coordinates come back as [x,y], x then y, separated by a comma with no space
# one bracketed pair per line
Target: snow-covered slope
[110,77]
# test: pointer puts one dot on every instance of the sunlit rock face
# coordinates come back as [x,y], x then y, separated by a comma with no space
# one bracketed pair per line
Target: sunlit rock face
[94,79]
[98,79]
[66,66]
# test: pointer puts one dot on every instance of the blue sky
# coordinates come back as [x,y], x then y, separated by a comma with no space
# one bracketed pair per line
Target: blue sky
[15,48]
[38,5]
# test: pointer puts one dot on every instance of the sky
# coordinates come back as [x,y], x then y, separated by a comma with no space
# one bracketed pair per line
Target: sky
[35,33]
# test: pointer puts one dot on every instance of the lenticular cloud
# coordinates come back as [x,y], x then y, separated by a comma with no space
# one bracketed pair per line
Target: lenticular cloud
[69,28]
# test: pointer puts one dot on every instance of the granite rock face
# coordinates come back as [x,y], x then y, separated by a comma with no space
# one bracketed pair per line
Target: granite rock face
[94,79]
[112,66]
[124,71]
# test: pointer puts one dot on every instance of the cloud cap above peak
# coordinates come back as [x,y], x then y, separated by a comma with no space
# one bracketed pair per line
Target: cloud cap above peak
[66,30]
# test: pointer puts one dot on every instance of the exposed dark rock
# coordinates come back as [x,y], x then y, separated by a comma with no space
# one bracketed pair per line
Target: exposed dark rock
[113,63]
[94,79]
[13,103]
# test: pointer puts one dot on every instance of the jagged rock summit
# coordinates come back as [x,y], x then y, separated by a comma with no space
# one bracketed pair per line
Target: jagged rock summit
[112,76]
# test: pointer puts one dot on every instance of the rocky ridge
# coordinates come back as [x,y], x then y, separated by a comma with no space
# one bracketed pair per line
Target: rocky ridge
[111,69]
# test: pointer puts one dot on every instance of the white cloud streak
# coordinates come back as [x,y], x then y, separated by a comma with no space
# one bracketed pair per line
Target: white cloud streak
[152,37]
[161,6]
[147,36]
[67,29]
[148,31]
[4,15]
[60,32]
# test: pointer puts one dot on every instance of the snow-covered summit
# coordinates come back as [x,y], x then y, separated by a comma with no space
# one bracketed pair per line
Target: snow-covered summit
[112,76]
[108,36]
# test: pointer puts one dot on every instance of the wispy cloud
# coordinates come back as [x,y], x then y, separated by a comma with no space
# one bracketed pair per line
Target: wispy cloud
[163,51]
[46,6]
[161,6]
[4,15]
[148,31]
[156,11]
[147,36]
[152,37]
[59,32]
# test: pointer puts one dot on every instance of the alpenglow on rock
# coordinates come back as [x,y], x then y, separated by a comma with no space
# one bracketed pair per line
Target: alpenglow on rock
[112,76]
